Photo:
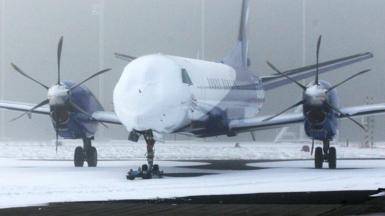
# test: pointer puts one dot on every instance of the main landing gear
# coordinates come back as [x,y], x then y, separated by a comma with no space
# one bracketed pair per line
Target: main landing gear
[86,153]
[149,170]
[325,154]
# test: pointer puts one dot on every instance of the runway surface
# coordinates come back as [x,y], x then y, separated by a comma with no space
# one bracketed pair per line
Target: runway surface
[367,206]
[36,182]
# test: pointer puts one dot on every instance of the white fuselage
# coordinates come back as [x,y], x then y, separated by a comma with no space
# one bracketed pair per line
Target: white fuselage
[154,93]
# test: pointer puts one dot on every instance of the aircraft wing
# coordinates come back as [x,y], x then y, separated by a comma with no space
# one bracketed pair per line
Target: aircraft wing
[258,123]
[23,107]
[276,80]
[100,116]
[106,117]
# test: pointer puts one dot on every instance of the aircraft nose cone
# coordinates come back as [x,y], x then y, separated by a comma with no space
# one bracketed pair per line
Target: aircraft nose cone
[149,95]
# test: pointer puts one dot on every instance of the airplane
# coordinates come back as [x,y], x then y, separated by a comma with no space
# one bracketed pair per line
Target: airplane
[161,94]
[320,110]
[70,106]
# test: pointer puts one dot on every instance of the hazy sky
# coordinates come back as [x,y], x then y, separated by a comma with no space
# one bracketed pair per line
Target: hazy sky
[281,31]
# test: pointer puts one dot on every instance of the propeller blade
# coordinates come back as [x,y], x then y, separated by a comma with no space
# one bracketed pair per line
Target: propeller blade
[85,113]
[289,108]
[96,74]
[59,51]
[31,110]
[79,109]
[253,136]
[312,147]
[57,140]
[124,57]
[285,75]
[56,131]
[347,116]
[317,64]
[29,77]
[351,77]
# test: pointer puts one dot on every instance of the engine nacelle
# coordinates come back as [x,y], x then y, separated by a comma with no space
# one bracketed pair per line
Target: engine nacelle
[316,118]
[60,117]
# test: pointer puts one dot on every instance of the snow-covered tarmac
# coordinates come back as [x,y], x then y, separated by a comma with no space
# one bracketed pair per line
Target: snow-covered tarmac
[31,181]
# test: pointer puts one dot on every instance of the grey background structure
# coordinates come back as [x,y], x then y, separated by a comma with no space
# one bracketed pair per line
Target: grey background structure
[281,31]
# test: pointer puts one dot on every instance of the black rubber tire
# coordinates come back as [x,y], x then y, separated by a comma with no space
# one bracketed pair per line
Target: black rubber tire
[146,174]
[130,176]
[155,168]
[79,157]
[318,158]
[332,158]
[144,168]
[92,157]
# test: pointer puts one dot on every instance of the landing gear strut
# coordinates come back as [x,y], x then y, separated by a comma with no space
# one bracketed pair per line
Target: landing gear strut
[86,153]
[149,170]
[325,154]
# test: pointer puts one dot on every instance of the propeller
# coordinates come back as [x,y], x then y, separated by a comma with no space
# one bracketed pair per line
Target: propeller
[57,139]
[59,51]
[347,79]
[285,75]
[95,75]
[56,131]
[57,91]
[317,57]
[316,82]
[29,77]
[285,110]
[312,147]
[347,116]
[31,110]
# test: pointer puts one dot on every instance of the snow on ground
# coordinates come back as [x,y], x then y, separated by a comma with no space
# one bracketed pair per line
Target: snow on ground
[179,150]
[32,173]
[25,183]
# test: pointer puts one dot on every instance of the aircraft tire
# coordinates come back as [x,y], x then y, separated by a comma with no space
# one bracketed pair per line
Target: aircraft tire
[332,158]
[79,157]
[92,157]
[318,158]
[155,168]
[146,173]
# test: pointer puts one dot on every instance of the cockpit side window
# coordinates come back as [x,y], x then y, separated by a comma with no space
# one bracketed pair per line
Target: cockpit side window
[185,77]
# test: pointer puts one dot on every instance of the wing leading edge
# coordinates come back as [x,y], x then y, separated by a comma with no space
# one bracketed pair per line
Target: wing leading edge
[99,116]
[23,107]
[258,123]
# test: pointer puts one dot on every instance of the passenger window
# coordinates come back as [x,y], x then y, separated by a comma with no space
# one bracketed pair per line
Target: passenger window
[185,77]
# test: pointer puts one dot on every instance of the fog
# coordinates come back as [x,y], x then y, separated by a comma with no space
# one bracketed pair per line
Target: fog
[281,31]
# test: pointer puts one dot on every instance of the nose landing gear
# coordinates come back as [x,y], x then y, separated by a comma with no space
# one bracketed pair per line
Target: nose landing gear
[149,170]
[325,154]
[86,153]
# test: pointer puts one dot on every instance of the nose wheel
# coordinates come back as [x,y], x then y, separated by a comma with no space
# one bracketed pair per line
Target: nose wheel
[149,170]
[86,153]
[145,172]
[326,154]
